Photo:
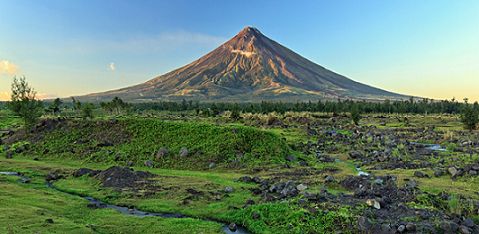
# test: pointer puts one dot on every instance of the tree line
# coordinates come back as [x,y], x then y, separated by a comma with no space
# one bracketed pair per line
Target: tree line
[409,106]
[23,103]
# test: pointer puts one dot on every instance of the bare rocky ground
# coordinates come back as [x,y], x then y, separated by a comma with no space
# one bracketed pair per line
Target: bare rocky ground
[385,200]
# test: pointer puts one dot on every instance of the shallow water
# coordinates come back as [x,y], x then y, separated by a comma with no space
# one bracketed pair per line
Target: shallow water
[134,212]
[436,147]
[360,171]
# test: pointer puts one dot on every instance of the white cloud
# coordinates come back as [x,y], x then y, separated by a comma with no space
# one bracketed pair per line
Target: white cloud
[112,67]
[8,68]
[245,53]
[44,96]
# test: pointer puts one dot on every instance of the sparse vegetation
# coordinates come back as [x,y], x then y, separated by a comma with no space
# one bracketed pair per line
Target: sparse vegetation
[23,103]
[223,150]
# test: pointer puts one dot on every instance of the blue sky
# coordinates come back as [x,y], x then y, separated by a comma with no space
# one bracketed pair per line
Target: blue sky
[64,48]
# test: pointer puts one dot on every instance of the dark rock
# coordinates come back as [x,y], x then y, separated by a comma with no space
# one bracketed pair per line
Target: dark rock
[355,154]
[49,220]
[112,121]
[310,196]
[385,228]
[162,152]
[256,180]
[329,179]
[212,165]
[289,227]
[84,171]
[233,227]
[375,228]
[410,227]
[51,176]
[439,173]
[20,150]
[364,224]
[429,228]
[418,174]
[291,158]
[256,216]
[468,223]
[454,226]
[464,230]
[302,202]
[247,179]
[35,159]
[149,163]
[9,153]
[444,225]
[322,198]
[183,152]
[303,164]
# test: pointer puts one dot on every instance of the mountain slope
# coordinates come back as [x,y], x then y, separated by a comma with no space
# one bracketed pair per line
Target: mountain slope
[249,67]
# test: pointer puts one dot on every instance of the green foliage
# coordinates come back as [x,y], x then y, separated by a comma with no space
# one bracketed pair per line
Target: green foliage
[116,106]
[235,113]
[469,115]
[24,104]
[87,110]
[206,113]
[214,110]
[355,114]
[275,218]
[451,147]
[140,139]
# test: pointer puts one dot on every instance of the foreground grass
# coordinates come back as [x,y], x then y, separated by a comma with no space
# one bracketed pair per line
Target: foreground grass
[25,208]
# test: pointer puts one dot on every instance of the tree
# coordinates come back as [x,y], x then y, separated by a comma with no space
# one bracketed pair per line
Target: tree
[55,105]
[469,115]
[116,104]
[87,110]
[197,107]
[355,113]
[214,110]
[24,104]
[235,113]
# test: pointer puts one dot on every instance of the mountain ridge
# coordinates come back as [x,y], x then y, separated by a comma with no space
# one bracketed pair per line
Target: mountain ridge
[249,67]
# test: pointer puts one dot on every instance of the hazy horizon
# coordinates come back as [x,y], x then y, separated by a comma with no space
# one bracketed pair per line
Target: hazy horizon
[66,48]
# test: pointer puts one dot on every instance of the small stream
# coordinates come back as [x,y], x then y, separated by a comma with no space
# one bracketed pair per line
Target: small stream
[436,147]
[360,171]
[134,212]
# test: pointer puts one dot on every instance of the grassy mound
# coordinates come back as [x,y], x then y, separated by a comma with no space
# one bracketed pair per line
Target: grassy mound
[137,140]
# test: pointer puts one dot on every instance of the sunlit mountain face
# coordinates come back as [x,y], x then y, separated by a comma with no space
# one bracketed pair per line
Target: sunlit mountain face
[250,67]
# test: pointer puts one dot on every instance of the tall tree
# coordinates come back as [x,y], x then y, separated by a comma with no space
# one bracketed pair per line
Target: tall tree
[23,103]
[235,113]
[355,113]
[469,116]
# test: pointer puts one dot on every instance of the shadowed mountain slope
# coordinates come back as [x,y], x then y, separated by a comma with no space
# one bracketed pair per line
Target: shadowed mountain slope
[248,67]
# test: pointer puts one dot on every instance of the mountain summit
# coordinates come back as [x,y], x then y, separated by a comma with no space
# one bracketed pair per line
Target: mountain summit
[249,67]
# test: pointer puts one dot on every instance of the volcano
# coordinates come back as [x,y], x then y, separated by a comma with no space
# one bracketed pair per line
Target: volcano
[250,67]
